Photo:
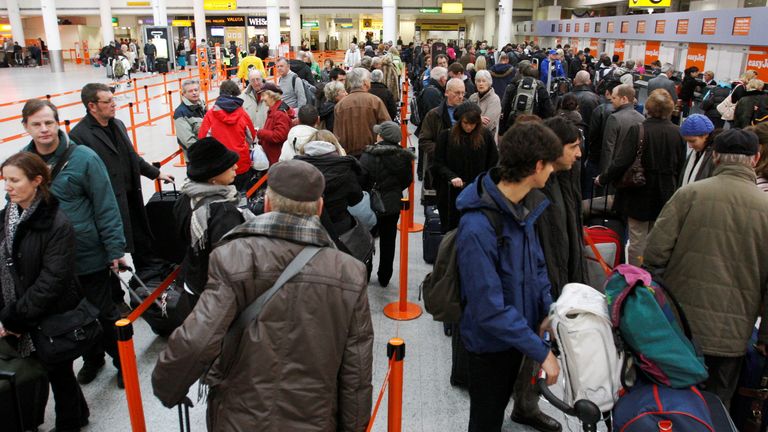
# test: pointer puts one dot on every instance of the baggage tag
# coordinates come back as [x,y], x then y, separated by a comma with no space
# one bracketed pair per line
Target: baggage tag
[164,304]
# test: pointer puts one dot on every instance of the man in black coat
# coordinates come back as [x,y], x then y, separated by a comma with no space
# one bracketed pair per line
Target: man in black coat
[150,51]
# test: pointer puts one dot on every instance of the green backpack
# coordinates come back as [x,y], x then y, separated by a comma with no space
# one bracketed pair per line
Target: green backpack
[119,69]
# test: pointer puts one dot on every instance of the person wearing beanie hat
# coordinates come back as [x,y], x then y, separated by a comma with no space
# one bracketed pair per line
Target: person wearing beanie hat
[206,209]
[699,132]
[390,172]
[709,243]
[461,154]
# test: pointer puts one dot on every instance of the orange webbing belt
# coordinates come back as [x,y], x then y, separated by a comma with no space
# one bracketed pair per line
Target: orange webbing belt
[598,256]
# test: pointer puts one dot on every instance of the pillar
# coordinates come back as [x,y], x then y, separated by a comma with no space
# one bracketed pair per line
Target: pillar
[389,10]
[14,16]
[490,21]
[199,12]
[621,9]
[273,26]
[505,23]
[51,24]
[159,13]
[295,14]
[322,37]
[105,15]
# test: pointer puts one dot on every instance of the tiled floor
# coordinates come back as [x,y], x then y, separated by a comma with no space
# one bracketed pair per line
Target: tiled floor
[430,402]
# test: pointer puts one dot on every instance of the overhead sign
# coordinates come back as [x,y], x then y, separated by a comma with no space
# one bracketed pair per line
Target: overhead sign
[640,29]
[219,4]
[137,3]
[115,20]
[741,26]
[225,20]
[660,25]
[709,26]
[682,26]
[650,3]
[310,24]
[181,23]
[758,60]
[257,21]
[453,8]
[440,27]
[430,10]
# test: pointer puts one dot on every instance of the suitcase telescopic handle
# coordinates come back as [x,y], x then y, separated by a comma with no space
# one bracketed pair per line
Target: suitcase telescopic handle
[585,410]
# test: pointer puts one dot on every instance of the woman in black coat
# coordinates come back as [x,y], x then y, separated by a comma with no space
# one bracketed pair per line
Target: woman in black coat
[663,160]
[390,171]
[206,209]
[461,154]
[39,242]
[691,82]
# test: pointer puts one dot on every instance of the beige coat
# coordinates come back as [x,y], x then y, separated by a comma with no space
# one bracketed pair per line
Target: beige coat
[490,105]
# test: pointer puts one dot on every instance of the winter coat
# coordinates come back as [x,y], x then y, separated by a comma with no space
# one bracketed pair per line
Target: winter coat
[326,114]
[745,107]
[43,255]
[303,70]
[557,70]
[502,74]
[247,63]
[187,119]
[663,81]
[712,98]
[255,106]
[560,230]
[305,364]
[588,101]
[389,169]
[709,241]
[222,217]
[88,132]
[391,77]
[342,187]
[688,88]
[597,122]
[351,58]
[297,137]
[505,287]
[663,161]
[383,93]
[354,118]
[436,121]
[85,196]
[275,131]
[707,165]
[458,159]
[228,122]
[432,96]
[490,106]
[615,133]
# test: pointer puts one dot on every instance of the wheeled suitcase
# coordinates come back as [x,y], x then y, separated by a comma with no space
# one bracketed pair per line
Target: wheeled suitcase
[161,65]
[23,391]
[167,243]
[749,405]
[170,309]
[432,234]
[608,246]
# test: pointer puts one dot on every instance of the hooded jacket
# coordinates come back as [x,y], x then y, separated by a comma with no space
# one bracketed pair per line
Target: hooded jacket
[187,119]
[230,124]
[505,286]
[297,137]
[502,74]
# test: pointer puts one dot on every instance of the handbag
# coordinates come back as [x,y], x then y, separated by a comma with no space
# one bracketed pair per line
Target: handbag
[364,212]
[377,202]
[67,336]
[635,175]
[359,241]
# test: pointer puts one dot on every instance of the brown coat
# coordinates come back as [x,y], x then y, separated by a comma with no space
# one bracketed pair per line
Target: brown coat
[304,365]
[354,118]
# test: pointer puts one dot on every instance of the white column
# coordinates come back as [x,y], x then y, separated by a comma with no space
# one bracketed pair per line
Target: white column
[159,13]
[389,9]
[273,26]
[295,15]
[322,33]
[105,14]
[490,21]
[199,12]
[505,23]
[51,24]
[14,16]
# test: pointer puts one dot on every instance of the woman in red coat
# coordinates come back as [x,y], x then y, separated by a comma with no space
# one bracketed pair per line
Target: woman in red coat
[275,130]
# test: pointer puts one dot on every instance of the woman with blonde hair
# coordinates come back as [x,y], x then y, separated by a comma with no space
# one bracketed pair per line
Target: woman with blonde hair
[748,103]
[481,63]
[326,136]
[739,86]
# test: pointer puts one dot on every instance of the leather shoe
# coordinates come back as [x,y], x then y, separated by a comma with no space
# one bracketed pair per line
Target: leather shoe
[540,422]
[89,372]
[120,383]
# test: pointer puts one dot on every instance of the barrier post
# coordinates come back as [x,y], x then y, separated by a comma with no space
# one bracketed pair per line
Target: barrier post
[136,97]
[165,87]
[396,352]
[274,73]
[130,374]
[133,129]
[146,101]
[169,98]
[66,126]
[402,310]
[412,226]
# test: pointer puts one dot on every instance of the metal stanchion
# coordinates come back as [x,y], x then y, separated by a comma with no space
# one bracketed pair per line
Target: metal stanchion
[146,101]
[412,226]
[130,374]
[133,129]
[396,350]
[402,310]
[169,98]
[136,97]
[165,88]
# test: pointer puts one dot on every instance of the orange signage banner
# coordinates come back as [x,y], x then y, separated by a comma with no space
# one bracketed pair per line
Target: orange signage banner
[709,26]
[611,27]
[576,27]
[575,43]
[593,44]
[652,51]
[758,60]
[640,27]
[586,27]
[618,49]
[682,26]
[741,26]
[660,25]
[697,56]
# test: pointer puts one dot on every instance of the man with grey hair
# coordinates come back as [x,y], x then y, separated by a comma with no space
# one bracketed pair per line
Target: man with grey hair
[435,121]
[708,243]
[375,63]
[189,114]
[381,90]
[315,333]
[663,81]
[356,114]
[253,104]
[434,93]
[290,84]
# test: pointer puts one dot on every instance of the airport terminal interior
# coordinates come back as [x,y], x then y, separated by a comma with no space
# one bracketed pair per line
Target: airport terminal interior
[722,36]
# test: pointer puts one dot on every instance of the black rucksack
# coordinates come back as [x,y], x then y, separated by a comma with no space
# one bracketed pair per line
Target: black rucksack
[760,113]
[525,96]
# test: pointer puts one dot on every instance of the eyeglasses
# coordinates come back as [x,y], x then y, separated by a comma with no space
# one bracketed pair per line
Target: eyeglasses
[108,102]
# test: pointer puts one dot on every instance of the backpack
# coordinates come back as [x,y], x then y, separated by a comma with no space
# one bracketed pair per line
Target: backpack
[647,406]
[415,115]
[309,90]
[653,328]
[119,69]
[525,96]
[606,82]
[442,287]
[760,113]
[590,360]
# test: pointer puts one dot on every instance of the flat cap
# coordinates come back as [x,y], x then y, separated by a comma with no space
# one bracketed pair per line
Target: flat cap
[296,180]
[271,87]
[737,141]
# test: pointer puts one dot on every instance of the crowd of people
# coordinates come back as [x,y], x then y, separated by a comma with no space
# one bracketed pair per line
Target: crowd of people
[510,142]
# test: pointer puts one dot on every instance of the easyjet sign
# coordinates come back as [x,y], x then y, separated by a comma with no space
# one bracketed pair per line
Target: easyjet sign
[697,56]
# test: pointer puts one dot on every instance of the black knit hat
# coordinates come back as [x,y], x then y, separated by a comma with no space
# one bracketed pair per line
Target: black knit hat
[737,141]
[464,108]
[208,158]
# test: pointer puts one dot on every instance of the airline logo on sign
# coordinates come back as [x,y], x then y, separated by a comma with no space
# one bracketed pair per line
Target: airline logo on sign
[650,3]
[697,58]
[652,53]
[758,64]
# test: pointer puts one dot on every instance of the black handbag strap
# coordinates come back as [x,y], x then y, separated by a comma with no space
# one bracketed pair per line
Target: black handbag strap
[63,161]
[641,141]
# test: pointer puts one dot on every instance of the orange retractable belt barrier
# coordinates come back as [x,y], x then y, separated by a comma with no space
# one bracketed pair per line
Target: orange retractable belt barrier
[394,380]
[403,310]
[412,226]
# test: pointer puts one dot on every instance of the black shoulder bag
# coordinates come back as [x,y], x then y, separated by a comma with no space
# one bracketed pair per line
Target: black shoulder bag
[635,175]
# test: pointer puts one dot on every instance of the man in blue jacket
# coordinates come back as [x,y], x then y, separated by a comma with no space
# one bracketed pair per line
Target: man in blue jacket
[84,191]
[551,64]
[504,282]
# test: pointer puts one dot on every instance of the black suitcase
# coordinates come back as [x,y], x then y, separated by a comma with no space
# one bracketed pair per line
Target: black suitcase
[170,309]
[432,234]
[161,65]
[459,359]
[23,391]
[167,243]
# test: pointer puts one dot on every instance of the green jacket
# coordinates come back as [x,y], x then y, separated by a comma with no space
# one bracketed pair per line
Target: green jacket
[86,198]
[710,243]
